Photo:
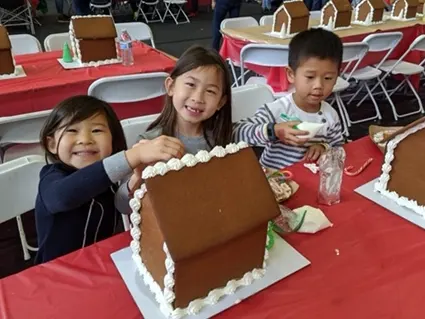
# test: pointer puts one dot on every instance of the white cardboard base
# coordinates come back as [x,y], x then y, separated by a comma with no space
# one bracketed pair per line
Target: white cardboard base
[367,190]
[283,261]
[77,65]
[20,73]
[277,35]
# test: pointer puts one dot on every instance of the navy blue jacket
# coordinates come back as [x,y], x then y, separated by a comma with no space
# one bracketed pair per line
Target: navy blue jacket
[74,208]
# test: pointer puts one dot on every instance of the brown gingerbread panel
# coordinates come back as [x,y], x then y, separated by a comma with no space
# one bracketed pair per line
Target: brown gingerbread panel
[197,276]
[328,13]
[343,19]
[364,10]
[378,15]
[411,12]
[205,202]
[282,18]
[152,243]
[4,39]
[6,62]
[94,28]
[407,176]
[299,24]
[98,50]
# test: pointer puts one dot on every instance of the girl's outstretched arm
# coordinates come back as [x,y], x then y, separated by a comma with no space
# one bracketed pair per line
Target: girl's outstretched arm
[63,192]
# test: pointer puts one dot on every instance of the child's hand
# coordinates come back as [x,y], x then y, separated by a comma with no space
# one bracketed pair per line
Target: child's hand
[161,148]
[289,135]
[314,152]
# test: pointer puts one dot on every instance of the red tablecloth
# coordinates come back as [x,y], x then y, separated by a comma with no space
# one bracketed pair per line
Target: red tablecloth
[276,77]
[48,83]
[378,273]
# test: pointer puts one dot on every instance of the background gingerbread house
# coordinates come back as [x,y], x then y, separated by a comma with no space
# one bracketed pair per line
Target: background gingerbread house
[290,18]
[369,12]
[420,9]
[93,38]
[7,64]
[403,176]
[404,10]
[336,14]
[210,232]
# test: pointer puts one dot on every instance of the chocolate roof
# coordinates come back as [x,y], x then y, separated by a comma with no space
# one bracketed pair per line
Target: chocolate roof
[4,39]
[296,9]
[377,4]
[402,130]
[96,27]
[201,207]
[342,5]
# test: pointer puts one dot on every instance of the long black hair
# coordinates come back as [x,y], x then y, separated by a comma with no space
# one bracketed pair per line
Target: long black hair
[74,110]
[217,130]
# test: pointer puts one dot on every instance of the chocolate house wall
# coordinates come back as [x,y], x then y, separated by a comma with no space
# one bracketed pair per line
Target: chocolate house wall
[299,24]
[407,176]
[328,13]
[6,62]
[343,19]
[378,15]
[97,49]
[281,19]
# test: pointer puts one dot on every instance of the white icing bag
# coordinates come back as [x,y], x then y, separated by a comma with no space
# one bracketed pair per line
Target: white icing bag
[309,220]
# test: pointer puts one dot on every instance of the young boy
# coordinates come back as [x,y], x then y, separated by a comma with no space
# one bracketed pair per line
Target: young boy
[315,58]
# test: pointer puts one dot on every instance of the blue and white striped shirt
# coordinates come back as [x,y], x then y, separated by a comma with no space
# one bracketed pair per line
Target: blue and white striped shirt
[277,154]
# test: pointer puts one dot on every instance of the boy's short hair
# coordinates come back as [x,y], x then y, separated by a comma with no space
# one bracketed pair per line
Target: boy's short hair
[314,43]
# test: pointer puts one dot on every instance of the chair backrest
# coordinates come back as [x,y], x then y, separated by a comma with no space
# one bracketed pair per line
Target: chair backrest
[19,185]
[135,126]
[315,14]
[247,99]
[55,41]
[22,129]
[137,30]
[353,53]
[129,88]
[418,44]
[381,42]
[240,22]
[266,20]
[24,44]
[272,55]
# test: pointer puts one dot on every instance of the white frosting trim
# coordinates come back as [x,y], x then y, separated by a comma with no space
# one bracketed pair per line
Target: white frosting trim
[166,297]
[190,160]
[75,44]
[382,185]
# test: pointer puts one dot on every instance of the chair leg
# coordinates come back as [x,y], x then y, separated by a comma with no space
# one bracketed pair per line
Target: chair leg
[345,122]
[126,222]
[412,88]
[389,100]
[378,113]
[357,92]
[23,238]
[232,68]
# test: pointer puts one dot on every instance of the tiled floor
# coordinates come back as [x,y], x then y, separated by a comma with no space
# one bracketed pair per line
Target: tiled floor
[173,40]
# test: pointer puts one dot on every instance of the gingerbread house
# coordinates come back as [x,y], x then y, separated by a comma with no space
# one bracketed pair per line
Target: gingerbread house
[420,9]
[336,14]
[368,12]
[7,63]
[93,39]
[197,243]
[290,18]
[403,177]
[404,10]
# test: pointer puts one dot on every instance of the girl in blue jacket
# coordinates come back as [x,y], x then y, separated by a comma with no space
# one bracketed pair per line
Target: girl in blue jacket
[78,196]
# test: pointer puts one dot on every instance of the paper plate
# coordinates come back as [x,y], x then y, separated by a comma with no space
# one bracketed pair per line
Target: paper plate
[312,128]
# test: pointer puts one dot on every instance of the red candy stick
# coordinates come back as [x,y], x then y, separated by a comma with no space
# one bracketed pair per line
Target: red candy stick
[348,170]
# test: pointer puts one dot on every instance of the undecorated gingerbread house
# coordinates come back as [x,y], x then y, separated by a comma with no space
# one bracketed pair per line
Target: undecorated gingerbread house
[93,39]
[290,18]
[403,177]
[7,63]
[404,10]
[197,243]
[368,12]
[336,14]
[420,9]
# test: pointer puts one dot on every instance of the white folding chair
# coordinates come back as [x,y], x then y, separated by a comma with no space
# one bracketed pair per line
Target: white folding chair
[179,5]
[18,190]
[352,55]
[270,55]
[155,12]
[380,42]
[101,6]
[17,13]
[24,44]
[20,135]
[138,31]
[315,14]
[129,88]
[407,69]
[266,20]
[132,128]
[247,99]
[55,41]
[235,23]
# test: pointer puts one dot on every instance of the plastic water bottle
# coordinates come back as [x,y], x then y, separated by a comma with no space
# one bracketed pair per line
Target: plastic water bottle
[126,48]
